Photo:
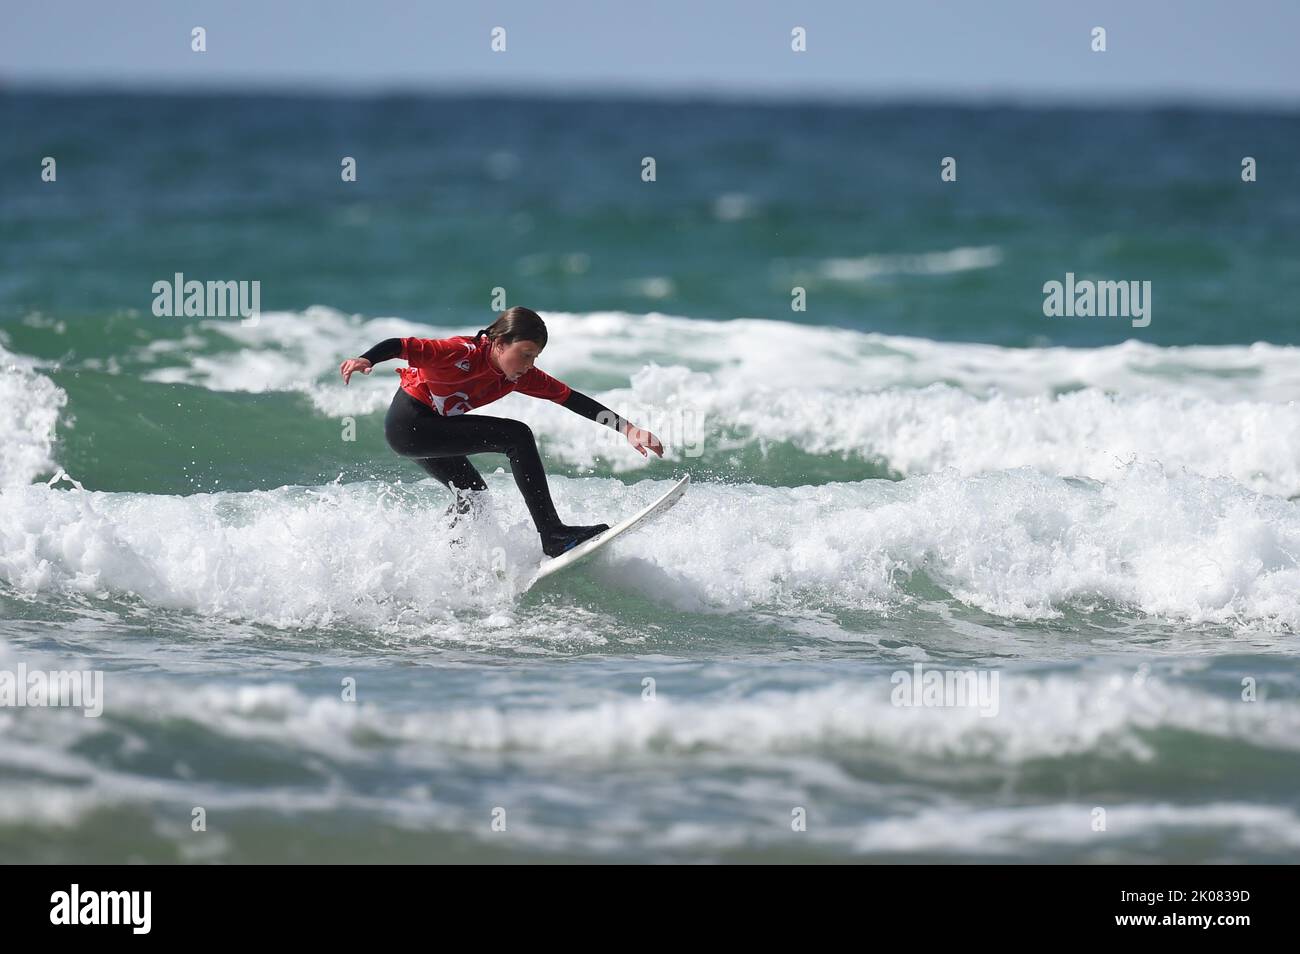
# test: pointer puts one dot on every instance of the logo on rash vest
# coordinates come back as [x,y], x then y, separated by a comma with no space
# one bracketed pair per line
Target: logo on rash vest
[457,407]
[463,363]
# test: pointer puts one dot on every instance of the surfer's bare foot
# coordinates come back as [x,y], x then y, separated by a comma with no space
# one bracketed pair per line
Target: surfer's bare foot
[563,539]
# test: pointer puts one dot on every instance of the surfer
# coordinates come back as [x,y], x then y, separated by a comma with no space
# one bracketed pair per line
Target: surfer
[448,376]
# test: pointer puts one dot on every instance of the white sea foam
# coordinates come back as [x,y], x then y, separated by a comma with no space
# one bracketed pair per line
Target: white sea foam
[1110,715]
[948,262]
[793,745]
[29,412]
[304,349]
[1084,433]
[1016,544]
[956,829]
[283,351]
[908,404]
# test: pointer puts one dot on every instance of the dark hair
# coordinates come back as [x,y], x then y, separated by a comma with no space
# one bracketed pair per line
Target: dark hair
[516,324]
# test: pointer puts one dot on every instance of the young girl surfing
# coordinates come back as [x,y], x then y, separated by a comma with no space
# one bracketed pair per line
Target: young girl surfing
[448,376]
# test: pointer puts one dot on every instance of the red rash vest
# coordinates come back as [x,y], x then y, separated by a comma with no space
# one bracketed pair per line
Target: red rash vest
[455,375]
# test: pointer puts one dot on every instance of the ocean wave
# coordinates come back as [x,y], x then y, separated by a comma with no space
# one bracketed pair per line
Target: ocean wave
[302,351]
[897,406]
[908,432]
[879,778]
[948,262]
[1110,715]
[1016,544]
[1221,826]
[29,412]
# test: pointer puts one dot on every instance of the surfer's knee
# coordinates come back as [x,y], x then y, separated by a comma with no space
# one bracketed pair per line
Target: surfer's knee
[520,434]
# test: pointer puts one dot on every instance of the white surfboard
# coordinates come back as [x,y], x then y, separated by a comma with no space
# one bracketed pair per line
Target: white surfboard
[587,547]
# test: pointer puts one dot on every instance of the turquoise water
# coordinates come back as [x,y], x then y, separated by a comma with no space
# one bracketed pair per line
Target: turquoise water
[919,468]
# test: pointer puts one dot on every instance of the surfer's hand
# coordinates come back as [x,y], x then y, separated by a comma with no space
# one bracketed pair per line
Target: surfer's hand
[642,439]
[352,365]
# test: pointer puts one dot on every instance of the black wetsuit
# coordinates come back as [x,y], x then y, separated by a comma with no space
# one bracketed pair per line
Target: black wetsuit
[440,445]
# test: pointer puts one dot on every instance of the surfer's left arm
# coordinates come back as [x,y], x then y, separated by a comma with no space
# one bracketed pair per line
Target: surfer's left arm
[537,383]
[641,439]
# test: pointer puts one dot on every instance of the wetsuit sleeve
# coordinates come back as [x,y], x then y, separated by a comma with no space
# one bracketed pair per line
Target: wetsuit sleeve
[429,352]
[386,350]
[579,403]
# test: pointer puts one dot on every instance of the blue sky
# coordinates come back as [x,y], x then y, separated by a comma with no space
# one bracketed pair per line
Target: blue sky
[1193,50]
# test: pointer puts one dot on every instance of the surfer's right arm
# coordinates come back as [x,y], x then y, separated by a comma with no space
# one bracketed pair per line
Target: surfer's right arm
[417,352]
[386,350]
